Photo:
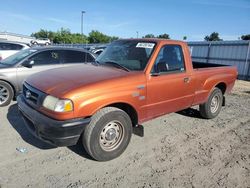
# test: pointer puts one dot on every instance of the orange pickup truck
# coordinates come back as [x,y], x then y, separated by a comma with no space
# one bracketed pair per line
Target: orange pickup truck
[132,81]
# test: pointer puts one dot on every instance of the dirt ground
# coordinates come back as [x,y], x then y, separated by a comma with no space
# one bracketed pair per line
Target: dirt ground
[178,150]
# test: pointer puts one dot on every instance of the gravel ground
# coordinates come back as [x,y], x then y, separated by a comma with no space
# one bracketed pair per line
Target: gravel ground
[178,150]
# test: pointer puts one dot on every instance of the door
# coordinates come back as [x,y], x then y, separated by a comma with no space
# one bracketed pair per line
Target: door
[43,60]
[170,87]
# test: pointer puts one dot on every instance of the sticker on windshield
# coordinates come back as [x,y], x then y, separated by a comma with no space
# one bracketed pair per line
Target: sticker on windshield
[145,45]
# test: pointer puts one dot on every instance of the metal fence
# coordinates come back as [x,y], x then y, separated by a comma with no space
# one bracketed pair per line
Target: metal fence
[235,53]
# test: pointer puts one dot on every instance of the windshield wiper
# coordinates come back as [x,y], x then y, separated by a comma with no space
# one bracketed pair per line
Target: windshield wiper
[117,65]
[96,63]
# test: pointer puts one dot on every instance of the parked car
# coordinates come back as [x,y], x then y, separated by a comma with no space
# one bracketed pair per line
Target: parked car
[8,48]
[16,68]
[136,80]
[40,41]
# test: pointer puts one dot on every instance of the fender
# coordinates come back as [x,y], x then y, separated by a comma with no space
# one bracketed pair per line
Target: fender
[134,97]
[211,81]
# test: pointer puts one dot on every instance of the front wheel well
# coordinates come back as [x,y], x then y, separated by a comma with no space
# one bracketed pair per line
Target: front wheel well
[128,109]
[222,86]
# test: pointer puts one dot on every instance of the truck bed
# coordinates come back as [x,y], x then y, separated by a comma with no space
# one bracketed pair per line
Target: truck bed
[199,65]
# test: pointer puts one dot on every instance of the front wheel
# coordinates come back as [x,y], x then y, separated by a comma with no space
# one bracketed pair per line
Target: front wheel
[212,107]
[6,93]
[108,134]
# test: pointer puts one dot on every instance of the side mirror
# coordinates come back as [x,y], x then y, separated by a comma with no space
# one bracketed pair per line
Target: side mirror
[28,63]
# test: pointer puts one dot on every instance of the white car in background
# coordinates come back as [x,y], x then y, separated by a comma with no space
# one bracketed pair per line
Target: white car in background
[41,41]
[8,48]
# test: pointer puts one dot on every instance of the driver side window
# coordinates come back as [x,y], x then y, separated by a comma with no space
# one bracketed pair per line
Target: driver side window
[169,59]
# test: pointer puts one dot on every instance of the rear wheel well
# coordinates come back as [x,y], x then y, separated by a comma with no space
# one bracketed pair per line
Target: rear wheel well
[128,109]
[222,86]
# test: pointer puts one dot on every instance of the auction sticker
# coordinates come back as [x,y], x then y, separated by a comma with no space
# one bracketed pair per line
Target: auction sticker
[145,45]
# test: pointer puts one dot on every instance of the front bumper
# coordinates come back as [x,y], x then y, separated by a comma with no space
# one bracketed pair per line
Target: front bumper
[58,133]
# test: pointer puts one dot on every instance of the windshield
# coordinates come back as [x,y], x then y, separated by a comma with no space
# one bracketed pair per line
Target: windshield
[130,54]
[17,57]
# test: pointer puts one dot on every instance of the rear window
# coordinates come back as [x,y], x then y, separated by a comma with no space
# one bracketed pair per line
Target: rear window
[9,46]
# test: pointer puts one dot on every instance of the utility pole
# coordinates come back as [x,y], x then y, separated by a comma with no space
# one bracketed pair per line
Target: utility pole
[137,34]
[82,22]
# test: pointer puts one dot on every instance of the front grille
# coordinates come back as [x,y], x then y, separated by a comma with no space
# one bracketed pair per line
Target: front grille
[32,96]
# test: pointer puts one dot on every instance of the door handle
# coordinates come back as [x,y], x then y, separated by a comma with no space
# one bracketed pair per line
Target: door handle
[187,80]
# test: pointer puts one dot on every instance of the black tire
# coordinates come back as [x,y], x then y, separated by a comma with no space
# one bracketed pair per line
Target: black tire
[107,122]
[212,107]
[6,93]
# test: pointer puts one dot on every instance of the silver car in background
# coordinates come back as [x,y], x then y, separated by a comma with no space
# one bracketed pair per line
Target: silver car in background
[16,68]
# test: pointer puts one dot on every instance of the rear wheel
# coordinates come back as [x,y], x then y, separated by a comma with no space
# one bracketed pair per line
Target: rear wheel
[6,93]
[108,134]
[212,107]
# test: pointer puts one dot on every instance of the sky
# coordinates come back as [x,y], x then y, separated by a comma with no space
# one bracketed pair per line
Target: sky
[124,18]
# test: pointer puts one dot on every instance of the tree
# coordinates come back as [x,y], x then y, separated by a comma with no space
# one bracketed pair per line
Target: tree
[149,36]
[184,37]
[65,36]
[42,34]
[98,37]
[164,36]
[213,37]
[245,37]
[61,36]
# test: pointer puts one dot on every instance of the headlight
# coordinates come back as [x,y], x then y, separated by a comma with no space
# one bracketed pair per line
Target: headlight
[58,105]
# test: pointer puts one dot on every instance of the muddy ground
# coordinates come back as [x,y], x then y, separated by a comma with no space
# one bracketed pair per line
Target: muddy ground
[178,150]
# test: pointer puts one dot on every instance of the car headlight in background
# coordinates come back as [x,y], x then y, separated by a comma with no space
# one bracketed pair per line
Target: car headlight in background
[58,105]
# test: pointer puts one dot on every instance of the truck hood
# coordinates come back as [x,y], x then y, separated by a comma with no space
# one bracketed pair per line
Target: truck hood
[61,80]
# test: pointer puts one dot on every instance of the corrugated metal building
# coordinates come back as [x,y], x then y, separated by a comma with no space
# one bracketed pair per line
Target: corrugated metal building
[235,53]
[15,37]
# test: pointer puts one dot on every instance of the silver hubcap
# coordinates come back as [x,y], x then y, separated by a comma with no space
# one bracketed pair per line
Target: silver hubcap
[111,136]
[4,94]
[214,104]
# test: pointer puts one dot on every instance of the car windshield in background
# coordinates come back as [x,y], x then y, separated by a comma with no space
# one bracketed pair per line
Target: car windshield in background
[130,54]
[17,57]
